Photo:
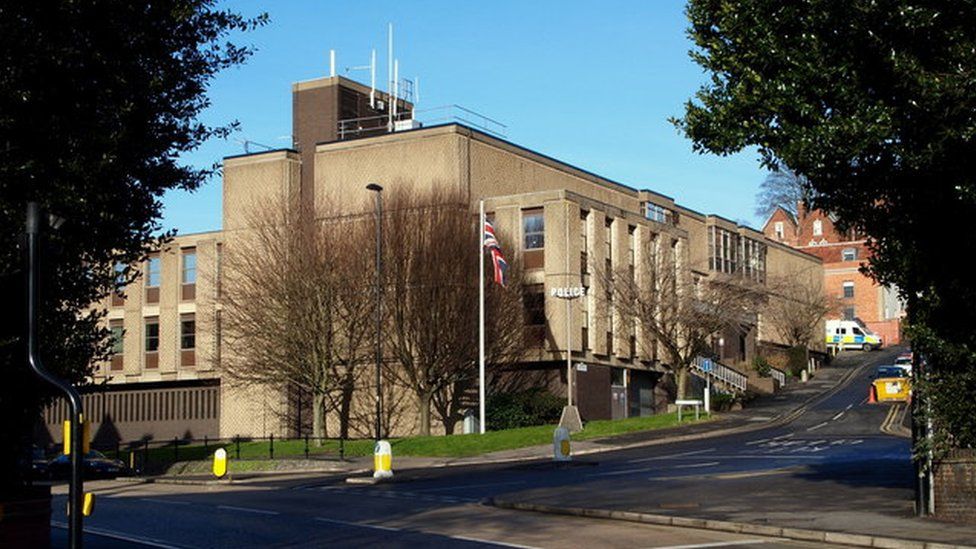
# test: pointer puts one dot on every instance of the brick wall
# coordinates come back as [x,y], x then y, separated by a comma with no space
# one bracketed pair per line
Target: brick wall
[955,487]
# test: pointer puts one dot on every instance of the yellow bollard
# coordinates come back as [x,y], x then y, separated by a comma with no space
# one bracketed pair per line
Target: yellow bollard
[88,505]
[85,436]
[382,460]
[560,444]
[220,463]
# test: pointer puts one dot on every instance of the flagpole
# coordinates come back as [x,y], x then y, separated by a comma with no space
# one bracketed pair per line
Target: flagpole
[481,319]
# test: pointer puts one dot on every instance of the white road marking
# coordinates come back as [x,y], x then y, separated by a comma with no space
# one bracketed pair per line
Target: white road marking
[692,465]
[247,510]
[715,544]
[815,427]
[766,456]
[491,542]
[656,458]
[166,501]
[148,542]
[392,529]
[357,524]
[760,441]
[464,486]
[849,406]
[836,417]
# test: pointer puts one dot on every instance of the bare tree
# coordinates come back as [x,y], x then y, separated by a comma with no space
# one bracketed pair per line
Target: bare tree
[297,308]
[796,309]
[677,310]
[432,267]
[782,188]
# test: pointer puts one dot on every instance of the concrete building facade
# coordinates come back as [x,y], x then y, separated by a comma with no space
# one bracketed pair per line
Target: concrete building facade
[568,223]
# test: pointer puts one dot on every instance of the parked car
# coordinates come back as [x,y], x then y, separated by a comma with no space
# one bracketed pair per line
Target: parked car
[904,361]
[38,463]
[890,371]
[96,465]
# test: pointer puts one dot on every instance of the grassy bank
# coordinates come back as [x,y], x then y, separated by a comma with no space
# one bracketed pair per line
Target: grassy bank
[258,452]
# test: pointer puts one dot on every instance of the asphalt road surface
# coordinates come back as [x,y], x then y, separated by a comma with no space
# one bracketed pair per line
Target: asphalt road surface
[830,459]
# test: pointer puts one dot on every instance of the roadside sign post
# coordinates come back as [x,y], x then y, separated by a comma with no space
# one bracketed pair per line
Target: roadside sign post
[570,418]
[707,368]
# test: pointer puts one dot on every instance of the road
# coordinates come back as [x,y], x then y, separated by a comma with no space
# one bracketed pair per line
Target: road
[830,459]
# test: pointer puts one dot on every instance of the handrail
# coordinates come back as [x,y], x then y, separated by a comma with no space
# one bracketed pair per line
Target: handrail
[778,375]
[721,372]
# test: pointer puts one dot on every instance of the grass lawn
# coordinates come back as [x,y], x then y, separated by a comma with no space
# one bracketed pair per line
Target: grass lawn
[257,452]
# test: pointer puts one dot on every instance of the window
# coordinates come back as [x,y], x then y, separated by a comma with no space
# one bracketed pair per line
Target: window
[617,377]
[857,331]
[658,213]
[817,228]
[153,272]
[778,229]
[188,331]
[848,289]
[848,313]
[584,245]
[152,335]
[189,275]
[533,229]
[117,336]
[119,276]
[723,249]
[849,254]
[535,308]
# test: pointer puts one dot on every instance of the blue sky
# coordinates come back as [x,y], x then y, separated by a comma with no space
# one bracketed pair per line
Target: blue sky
[589,83]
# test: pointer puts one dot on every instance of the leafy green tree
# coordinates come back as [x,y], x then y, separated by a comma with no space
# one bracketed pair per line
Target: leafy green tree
[874,102]
[98,100]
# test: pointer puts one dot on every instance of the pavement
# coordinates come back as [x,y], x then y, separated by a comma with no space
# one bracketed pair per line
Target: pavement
[813,466]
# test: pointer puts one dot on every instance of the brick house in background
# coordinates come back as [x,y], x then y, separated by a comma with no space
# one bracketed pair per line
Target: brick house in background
[842,253]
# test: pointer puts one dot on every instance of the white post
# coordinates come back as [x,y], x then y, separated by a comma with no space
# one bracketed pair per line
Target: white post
[389,79]
[708,393]
[481,319]
[331,62]
[372,79]
[569,327]
[396,86]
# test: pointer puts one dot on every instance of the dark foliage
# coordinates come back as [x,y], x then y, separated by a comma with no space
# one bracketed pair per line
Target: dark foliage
[874,103]
[522,409]
[98,100]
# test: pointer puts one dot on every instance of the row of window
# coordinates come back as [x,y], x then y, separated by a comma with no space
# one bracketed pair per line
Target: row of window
[152,270]
[731,253]
[187,338]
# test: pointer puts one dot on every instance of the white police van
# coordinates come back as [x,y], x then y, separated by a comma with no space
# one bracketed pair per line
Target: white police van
[851,334]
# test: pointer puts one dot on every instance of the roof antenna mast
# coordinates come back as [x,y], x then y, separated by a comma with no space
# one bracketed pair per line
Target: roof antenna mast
[389,65]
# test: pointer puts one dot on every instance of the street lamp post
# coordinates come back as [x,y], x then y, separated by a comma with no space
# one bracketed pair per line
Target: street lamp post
[75,487]
[379,303]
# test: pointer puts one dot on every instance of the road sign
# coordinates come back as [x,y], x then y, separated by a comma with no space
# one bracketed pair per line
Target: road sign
[706,365]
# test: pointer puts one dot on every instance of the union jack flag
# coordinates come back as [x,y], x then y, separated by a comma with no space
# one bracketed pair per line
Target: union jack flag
[491,244]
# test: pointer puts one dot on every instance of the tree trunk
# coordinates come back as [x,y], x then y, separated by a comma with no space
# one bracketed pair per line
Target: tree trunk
[681,380]
[345,406]
[449,422]
[318,418]
[425,398]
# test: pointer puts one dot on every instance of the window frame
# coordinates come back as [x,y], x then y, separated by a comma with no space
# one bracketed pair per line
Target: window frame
[147,322]
[154,276]
[540,233]
[184,270]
